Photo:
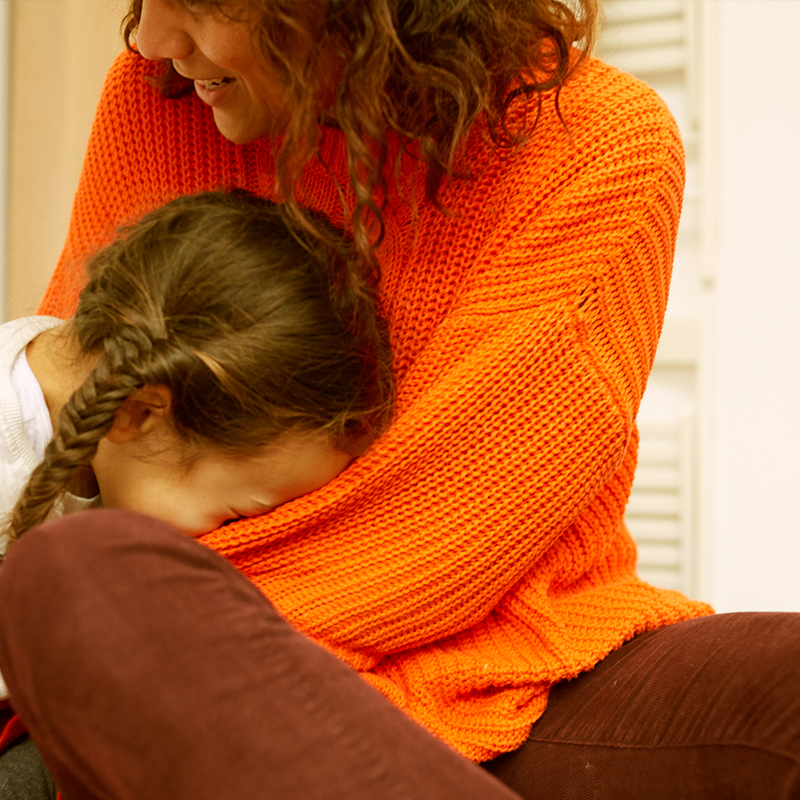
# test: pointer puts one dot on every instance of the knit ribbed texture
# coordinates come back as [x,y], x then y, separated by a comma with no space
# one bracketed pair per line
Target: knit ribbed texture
[476,554]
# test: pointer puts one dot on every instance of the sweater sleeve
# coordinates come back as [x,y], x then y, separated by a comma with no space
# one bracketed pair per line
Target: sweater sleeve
[514,416]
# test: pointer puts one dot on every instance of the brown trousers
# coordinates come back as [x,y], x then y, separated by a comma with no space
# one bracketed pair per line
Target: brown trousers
[146,667]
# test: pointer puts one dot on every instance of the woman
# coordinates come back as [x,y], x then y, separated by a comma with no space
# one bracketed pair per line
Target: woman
[520,202]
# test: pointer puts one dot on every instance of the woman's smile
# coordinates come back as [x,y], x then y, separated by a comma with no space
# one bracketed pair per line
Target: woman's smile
[216,52]
[213,91]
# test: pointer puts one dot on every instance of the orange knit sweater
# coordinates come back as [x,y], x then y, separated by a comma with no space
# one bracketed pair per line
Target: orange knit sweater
[476,554]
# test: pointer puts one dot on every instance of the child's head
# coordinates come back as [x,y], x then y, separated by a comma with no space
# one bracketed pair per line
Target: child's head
[220,332]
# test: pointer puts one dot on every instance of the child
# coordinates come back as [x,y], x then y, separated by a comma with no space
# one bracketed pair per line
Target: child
[220,363]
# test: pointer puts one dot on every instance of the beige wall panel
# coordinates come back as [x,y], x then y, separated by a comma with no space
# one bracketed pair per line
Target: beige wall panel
[60,50]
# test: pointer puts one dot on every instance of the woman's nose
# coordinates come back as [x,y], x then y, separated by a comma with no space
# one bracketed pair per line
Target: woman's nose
[162,31]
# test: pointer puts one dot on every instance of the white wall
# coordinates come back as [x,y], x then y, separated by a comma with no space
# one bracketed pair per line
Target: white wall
[755,544]
[60,52]
[5,65]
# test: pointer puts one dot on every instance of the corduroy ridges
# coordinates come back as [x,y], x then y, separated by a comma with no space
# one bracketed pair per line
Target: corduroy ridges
[476,554]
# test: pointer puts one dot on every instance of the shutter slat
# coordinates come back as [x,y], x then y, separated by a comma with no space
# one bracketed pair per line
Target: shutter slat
[645,61]
[636,10]
[651,33]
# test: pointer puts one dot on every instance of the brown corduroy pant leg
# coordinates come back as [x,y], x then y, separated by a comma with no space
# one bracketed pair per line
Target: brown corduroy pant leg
[708,709]
[145,666]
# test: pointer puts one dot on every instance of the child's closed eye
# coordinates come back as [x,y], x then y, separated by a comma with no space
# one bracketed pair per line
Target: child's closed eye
[252,510]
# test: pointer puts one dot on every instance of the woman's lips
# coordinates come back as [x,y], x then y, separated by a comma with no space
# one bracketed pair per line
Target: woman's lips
[214,92]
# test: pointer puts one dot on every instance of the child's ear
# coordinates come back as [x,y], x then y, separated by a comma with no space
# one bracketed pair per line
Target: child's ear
[141,412]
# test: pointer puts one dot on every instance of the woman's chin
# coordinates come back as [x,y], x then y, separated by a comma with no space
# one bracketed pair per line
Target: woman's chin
[240,129]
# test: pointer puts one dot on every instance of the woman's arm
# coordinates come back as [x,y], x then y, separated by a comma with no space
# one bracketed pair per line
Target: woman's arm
[516,413]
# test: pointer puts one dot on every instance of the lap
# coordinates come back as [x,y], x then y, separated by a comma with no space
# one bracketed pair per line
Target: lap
[705,708]
[144,665]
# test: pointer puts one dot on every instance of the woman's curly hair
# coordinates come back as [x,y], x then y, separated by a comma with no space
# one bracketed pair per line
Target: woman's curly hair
[426,69]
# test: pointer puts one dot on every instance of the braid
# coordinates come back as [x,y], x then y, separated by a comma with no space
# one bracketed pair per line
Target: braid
[84,420]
